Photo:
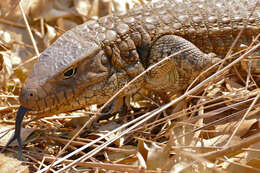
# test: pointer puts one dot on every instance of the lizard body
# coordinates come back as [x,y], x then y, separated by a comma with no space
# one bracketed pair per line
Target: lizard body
[92,61]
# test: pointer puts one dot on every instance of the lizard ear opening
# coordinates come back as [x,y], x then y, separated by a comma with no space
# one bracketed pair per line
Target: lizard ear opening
[71,72]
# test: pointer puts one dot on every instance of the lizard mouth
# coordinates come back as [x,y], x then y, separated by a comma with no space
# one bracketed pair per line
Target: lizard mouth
[47,110]
[54,109]
[48,105]
[53,104]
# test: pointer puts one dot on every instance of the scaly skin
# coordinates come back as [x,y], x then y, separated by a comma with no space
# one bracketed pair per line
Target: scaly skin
[103,55]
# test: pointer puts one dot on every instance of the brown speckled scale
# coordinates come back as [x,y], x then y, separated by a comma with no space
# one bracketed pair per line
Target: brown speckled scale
[109,52]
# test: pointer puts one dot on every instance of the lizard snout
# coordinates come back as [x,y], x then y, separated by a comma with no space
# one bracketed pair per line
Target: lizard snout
[28,98]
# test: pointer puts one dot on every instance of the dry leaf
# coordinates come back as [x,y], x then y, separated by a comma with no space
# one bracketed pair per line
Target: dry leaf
[82,7]
[107,127]
[122,158]
[11,165]
[6,68]
[39,8]
[218,141]
[25,132]
[49,38]
[229,128]
[143,149]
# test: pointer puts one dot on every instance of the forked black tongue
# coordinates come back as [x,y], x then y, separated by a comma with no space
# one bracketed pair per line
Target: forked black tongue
[17,132]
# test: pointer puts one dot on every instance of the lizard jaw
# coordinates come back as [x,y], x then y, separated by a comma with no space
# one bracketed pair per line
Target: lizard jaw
[50,105]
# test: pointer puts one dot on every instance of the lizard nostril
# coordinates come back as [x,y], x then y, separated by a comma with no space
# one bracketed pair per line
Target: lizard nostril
[28,98]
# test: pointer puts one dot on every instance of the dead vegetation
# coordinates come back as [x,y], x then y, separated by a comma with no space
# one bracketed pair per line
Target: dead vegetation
[212,126]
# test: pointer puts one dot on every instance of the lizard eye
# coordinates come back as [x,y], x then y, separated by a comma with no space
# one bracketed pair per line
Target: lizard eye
[70,73]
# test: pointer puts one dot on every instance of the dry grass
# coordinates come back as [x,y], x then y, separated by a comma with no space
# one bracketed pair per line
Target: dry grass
[212,126]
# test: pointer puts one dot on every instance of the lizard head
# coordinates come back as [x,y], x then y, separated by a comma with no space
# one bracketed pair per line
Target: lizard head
[68,75]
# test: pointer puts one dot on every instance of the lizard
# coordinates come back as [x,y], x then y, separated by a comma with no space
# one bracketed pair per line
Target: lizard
[91,62]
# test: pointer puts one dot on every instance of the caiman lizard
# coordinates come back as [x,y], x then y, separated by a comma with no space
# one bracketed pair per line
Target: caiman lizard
[91,62]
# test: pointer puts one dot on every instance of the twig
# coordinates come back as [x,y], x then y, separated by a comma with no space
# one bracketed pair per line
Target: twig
[29,30]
